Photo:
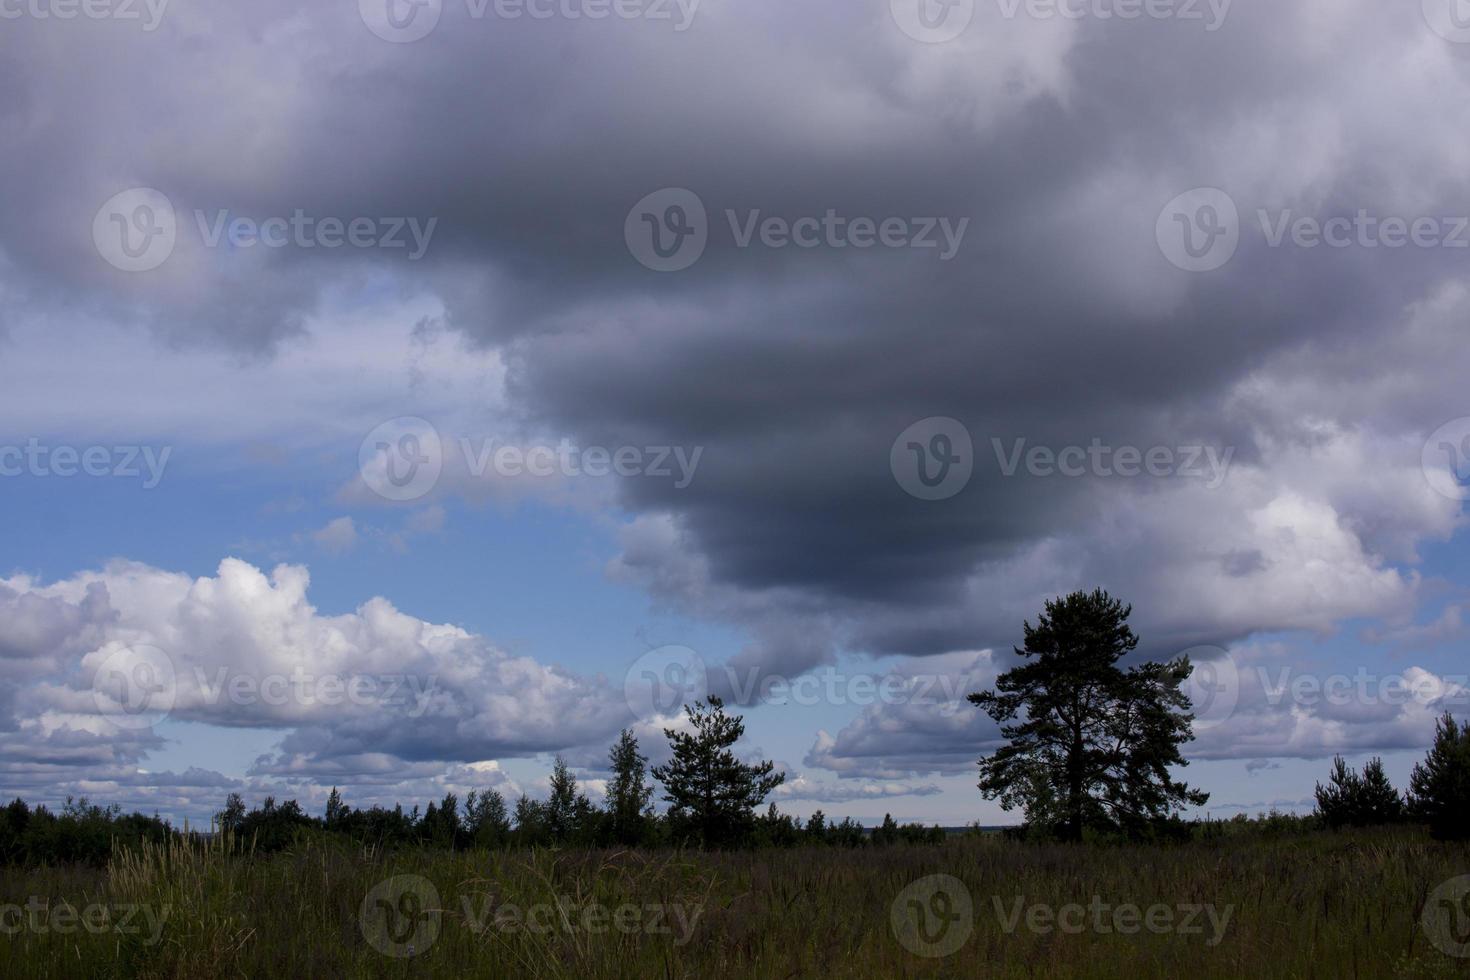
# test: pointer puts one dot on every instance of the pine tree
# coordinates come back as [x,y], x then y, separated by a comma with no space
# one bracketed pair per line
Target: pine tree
[566,810]
[816,828]
[486,820]
[1439,788]
[1352,800]
[888,833]
[629,795]
[1337,802]
[1381,803]
[530,819]
[336,810]
[1097,742]
[708,788]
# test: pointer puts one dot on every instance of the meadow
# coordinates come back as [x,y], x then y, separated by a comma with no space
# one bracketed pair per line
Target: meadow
[1227,904]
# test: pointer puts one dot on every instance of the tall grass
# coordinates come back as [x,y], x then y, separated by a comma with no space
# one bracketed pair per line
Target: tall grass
[1322,905]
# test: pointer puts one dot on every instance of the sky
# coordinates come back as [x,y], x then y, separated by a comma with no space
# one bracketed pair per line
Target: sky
[399,394]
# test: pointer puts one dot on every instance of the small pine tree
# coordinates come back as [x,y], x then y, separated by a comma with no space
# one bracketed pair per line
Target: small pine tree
[1439,788]
[336,810]
[486,820]
[816,828]
[1337,800]
[888,833]
[629,795]
[233,815]
[530,819]
[567,811]
[1353,800]
[708,788]
[1381,803]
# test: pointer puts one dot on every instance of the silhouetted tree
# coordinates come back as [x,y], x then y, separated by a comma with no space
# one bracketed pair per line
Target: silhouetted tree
[709,790]
[1352,800]
[1089,744]
[629,795]
[337,811]
[486,820]
[1439,787]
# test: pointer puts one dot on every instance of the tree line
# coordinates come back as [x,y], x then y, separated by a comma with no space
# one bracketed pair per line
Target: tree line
[713,801]
[1089,748]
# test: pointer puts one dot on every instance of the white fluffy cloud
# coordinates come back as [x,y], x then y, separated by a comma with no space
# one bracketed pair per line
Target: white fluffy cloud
[374,696]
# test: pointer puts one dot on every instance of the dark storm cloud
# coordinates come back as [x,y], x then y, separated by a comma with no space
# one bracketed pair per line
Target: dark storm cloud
[1058,321]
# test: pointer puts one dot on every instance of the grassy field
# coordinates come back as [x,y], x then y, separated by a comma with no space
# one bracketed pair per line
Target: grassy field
[1319,905]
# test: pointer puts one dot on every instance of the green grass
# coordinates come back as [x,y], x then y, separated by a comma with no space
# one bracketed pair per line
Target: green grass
[1318,905]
